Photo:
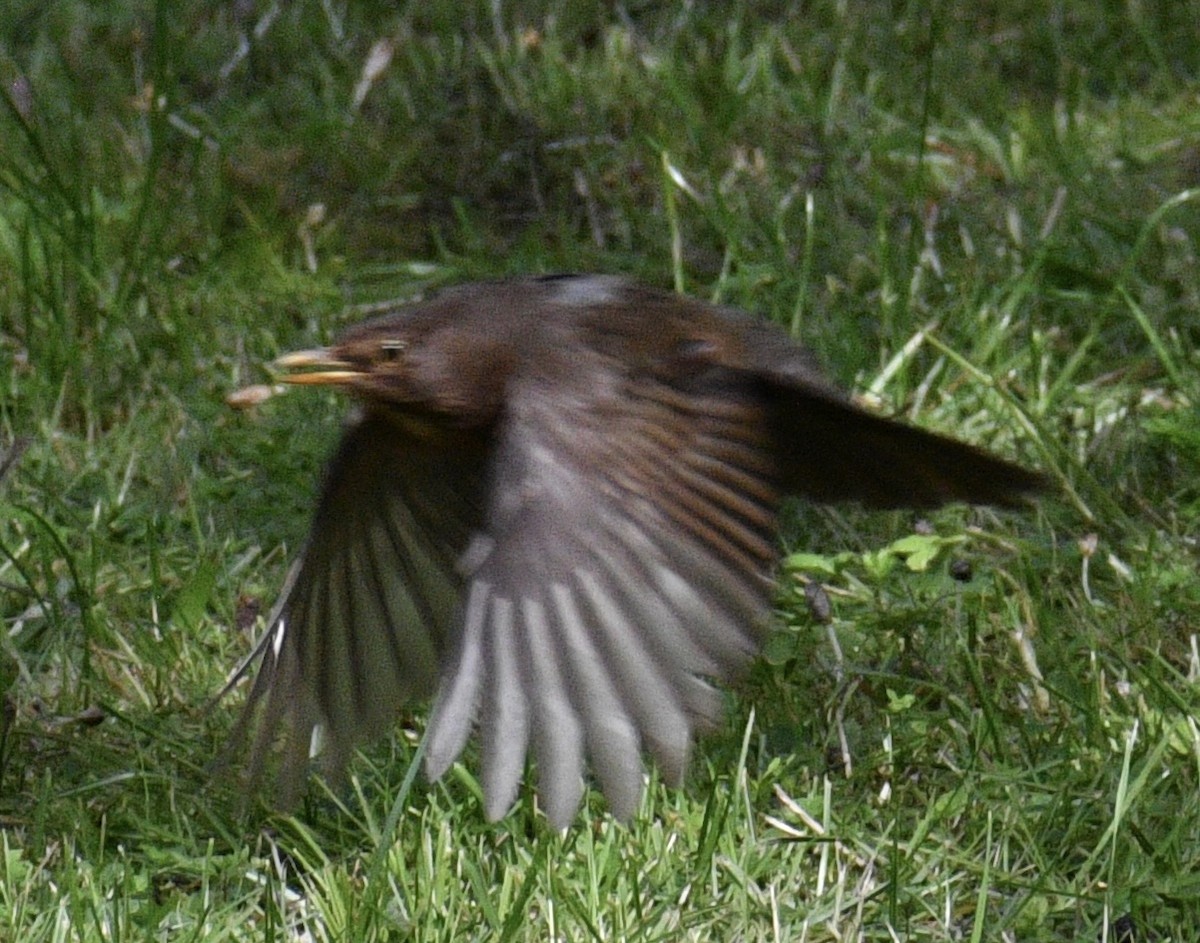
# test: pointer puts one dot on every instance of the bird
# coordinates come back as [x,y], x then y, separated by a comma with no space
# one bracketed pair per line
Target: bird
[556,515]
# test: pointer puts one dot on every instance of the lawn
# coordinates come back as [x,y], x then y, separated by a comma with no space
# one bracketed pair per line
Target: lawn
[984,219]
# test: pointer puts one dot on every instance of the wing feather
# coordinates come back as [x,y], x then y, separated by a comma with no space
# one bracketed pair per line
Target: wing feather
[633,569]
[367,615]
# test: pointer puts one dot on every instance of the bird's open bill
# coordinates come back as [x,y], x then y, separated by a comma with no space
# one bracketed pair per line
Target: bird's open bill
[332,370]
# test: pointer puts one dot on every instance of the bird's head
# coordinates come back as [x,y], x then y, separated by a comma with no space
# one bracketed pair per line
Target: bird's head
[417,368]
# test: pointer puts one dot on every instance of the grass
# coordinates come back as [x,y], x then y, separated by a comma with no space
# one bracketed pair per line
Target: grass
[981,218]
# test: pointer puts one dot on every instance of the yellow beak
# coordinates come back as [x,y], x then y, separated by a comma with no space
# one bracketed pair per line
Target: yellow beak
[334,371]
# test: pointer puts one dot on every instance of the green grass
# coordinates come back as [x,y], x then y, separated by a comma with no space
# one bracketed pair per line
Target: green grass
[981,218]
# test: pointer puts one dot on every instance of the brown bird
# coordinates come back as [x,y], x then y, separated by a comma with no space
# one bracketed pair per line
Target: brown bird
[557,514]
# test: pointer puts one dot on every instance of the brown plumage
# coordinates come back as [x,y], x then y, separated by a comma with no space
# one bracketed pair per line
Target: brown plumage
[557,515]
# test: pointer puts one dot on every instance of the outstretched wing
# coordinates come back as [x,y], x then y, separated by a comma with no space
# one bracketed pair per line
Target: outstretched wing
[625,559]
[830,450]
[365,618]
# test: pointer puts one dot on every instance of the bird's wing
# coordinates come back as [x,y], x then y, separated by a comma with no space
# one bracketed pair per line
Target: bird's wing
[831,450]
[626,558]
[364,620]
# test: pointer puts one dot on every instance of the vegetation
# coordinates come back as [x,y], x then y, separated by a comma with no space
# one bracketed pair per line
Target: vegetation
[981,217]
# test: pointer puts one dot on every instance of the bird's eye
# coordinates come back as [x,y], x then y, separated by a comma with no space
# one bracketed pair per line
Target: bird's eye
[391,349]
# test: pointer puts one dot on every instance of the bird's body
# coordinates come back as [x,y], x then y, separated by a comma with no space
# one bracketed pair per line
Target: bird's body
[558,516]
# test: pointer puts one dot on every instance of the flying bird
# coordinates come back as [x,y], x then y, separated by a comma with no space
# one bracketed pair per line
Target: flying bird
[556,514]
